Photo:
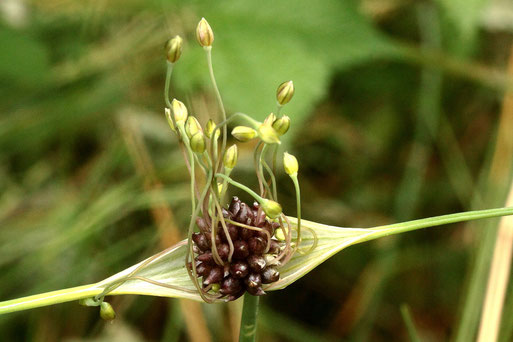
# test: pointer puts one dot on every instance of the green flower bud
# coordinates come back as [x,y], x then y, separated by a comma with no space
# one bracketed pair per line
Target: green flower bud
[107,312]
[271,208]
[179,111]
[230,157]
[216,287]
[282,125]
[285,92]
[279,234]
[244,133]
[192,126]
[209,128]
[270,119]
[268,134]
[204,33]
[290,164]
[174,49]
[198,142]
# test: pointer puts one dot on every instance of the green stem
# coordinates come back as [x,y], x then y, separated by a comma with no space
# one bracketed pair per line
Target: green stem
[169,71]
[208,50]
[50,298]
[408,226]
[248,327]
[241,186]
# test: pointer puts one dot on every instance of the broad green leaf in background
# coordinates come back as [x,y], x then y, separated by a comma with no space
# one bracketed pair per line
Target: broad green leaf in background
[23,60]
[464,17]
[253,52]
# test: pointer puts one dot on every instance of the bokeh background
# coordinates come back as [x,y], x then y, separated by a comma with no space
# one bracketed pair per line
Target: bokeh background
[400,112]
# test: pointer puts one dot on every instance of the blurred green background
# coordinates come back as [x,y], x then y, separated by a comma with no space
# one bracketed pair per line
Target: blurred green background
[396,116]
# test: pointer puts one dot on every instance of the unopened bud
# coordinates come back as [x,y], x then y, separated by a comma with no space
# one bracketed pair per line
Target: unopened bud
[107,312]
[270,119]
[179,111]
[268,134]
[244,133]
[282,125]
[169,119]
[271,208]
[198,142]
[285,92]
[174,49]
[204,33]
[279,234]
[209,128]
[230,157]
[192,126]
[290,164]
[216,287]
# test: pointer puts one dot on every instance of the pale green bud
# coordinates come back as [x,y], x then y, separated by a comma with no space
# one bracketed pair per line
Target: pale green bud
[179,111]
[198,142]
[282,125]
[271,208]
[268,134]
[270,119]
[244,133]
[169,119]
[192,126]
[216,287]
[230,157]
[107,312]
[174,49]
[279,234]
[290,164]
[285,92]
[209,128]
[204,33]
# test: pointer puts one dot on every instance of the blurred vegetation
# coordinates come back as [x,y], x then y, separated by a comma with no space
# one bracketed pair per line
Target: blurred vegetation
[395,117]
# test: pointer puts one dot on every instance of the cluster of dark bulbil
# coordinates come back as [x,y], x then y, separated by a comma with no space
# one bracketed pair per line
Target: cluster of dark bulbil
[248,269]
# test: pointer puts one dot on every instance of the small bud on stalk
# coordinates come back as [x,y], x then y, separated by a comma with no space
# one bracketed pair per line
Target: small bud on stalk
[174,49]
[271,208]
[230,157]
[107,312]
[285,92]
[209,128]
[179,111]
[204,33]
[192,126]
[290,164]
[282,125]
[198,142]
[244,133]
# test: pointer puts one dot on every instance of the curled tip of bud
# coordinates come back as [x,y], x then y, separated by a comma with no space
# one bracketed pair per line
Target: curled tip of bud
[204,33]
[174,49]
[290,164]
[192,126]
[271,208]
[179,110]
[244,133]
[107,312]
[268,134]
[285,92]
[270,119]
[282,125]
[198,142]
[230,157]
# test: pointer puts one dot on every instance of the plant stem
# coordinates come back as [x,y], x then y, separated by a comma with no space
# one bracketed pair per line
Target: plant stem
[50,298]
[248,327]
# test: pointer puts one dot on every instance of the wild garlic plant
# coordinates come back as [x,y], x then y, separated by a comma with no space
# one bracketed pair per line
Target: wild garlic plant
[232,247]
[241,247]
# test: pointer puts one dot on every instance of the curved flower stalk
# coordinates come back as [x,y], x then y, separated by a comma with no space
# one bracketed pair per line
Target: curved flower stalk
[165,274]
